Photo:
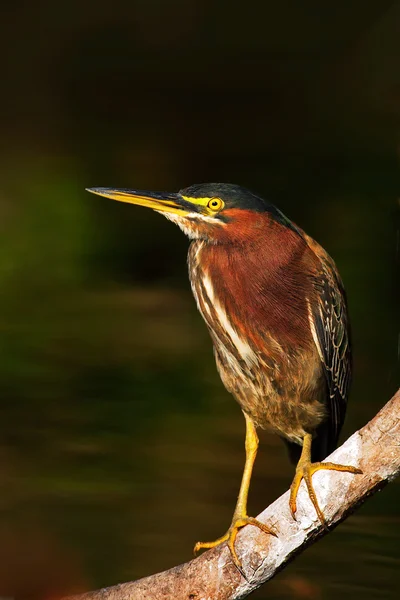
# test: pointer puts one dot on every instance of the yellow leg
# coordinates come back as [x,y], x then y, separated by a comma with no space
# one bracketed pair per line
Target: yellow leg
[240,518]
[305,470]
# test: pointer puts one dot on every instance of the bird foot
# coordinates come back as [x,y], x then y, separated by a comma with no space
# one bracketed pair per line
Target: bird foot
[230,537]
[306,471]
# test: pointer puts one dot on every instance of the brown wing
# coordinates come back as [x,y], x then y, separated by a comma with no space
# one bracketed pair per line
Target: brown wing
[333,339]
[332,336]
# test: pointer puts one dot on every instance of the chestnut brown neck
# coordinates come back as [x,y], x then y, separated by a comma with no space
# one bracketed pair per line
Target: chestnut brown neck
[260,281]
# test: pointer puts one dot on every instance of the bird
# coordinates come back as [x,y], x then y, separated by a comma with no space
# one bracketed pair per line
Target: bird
[276,311]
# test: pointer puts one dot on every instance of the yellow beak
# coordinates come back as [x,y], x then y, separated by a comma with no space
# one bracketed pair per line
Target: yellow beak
[160,201]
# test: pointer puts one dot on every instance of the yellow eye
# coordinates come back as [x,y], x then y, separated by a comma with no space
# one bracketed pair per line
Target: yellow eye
[215,204]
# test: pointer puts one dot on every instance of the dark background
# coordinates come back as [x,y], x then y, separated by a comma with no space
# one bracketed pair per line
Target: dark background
[119,447]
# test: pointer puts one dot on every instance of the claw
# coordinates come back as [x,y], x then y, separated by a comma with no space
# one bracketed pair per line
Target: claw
[306,471]
[230,537]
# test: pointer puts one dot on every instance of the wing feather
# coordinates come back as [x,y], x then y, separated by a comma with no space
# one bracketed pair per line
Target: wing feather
[331,332]
[332,336]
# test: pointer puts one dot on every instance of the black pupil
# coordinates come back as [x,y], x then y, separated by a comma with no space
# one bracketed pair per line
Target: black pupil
[214,203]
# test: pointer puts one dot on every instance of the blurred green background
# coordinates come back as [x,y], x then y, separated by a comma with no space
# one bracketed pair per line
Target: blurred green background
[119,447]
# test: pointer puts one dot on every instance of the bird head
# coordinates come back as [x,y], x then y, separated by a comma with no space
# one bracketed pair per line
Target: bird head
[215,212]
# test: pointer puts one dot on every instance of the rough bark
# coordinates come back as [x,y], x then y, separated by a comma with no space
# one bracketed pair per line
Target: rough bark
[375,449]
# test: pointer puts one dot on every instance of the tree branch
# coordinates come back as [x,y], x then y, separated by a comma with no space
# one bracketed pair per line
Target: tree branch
[375,449]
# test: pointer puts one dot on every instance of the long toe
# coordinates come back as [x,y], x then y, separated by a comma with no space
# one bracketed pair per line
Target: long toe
[207,545]
[230,538]
[306,471]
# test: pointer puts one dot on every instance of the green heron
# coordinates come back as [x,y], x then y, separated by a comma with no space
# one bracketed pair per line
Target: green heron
[275,307]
